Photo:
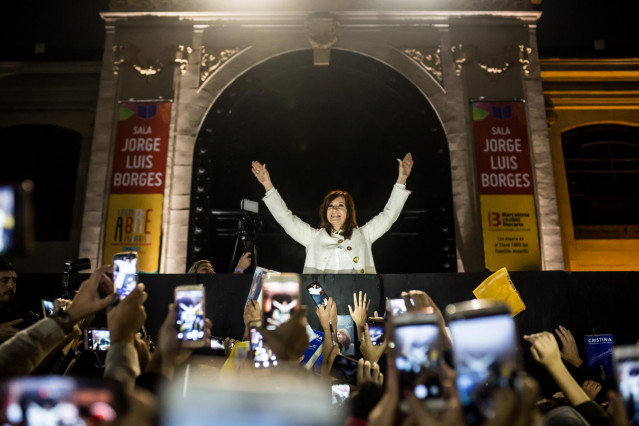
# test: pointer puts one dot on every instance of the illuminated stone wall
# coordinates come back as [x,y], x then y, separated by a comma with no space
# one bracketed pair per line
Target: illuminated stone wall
[190,57]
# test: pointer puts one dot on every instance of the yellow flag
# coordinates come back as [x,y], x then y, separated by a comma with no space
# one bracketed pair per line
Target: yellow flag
[499,287]
[238,355]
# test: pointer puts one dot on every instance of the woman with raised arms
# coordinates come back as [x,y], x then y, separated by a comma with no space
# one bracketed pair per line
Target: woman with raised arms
[339,245]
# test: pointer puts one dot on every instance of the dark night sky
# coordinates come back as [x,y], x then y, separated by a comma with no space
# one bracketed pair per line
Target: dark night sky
[73,29]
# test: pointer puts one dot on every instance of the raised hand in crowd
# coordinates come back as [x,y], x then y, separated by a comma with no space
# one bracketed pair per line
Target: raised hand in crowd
[368,372]
[616,409]
[143,408]
[228,346]
[94,295]
[289,340]
[127,318]
[569,350]
[27,349]
[243,263]
[252,312]
[327,315]
[418,300]
[359,311]
[124,321]
[371,352]
[545,350]
[60,303]
[329,352]
[513,407]
[72,340]
[169,354]
[143,348]
[385,412]
[591,388]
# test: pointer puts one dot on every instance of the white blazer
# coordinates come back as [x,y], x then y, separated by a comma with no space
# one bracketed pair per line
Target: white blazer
[320,245]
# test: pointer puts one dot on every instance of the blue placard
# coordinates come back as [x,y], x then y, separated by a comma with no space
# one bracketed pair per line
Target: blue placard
[314,350]
[599,353]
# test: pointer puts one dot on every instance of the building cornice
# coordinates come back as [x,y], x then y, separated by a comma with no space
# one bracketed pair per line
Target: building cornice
[314,5]
[352,18]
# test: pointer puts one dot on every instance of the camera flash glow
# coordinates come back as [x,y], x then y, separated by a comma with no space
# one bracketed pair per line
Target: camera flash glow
[421,391]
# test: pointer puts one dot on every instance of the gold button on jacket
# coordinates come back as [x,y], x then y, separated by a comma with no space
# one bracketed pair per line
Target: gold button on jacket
[356,259]
[340,241]
[361,271]
[349,248]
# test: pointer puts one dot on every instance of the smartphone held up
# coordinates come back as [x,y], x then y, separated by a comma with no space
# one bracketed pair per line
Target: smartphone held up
[97,339]
[190,315]
[344,369]
[317,293]
[125,273]
[418,355]
[280,298]
[262,355]
[626,361]
[376,330]
[485,353]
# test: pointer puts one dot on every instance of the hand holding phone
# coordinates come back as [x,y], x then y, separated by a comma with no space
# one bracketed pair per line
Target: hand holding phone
[125,273]
[190,315]
[262,355]
[344,369]
[47,307]
[376,330]
[318,294]
[418,356]
[485,353]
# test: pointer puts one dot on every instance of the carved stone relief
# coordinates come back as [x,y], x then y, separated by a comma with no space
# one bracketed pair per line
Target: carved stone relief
[429,58]
[212,60]
[467,55]
[129,55]
[323,31]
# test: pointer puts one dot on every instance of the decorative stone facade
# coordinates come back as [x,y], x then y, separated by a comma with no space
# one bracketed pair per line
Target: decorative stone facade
[190,50]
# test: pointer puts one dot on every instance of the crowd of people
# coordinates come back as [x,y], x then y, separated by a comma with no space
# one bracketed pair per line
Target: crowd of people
[51,378]
[413,364]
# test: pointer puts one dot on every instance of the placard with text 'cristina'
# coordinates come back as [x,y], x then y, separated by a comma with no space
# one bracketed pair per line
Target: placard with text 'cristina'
[599,353]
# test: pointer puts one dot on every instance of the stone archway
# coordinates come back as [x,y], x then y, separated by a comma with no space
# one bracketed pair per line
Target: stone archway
[320,128]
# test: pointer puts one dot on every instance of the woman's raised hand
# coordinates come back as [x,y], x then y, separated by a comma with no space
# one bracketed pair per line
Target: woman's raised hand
[262,175]
[405,166]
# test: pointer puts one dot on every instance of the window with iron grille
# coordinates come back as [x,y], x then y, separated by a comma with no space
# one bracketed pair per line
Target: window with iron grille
[602,171]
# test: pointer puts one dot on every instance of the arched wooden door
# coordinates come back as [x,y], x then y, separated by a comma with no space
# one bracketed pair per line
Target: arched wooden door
[320,128]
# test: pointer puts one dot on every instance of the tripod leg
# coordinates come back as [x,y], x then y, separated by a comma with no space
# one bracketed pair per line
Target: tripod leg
[234,258]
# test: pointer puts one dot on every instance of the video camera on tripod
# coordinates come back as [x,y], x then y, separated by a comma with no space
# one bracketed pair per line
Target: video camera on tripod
[71,268]
[249,224]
